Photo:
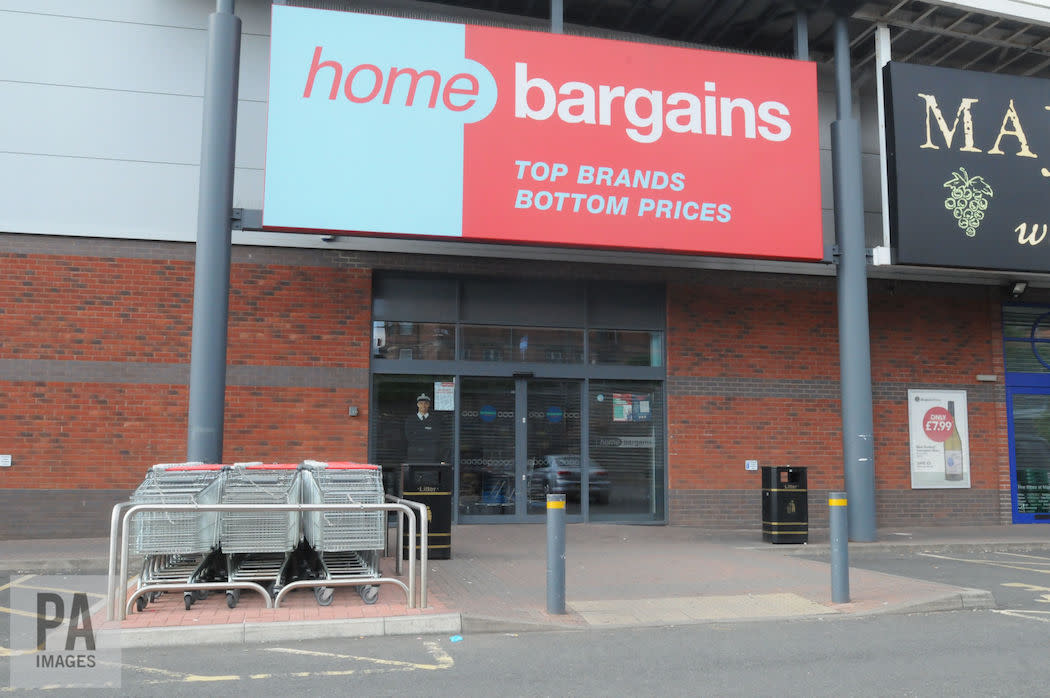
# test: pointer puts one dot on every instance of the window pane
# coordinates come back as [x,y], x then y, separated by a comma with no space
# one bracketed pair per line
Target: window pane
[1017,320]
[396,438]
[1021,359]
[626,348]
[1031,415]
[413,341]
[626,427]
[531,344]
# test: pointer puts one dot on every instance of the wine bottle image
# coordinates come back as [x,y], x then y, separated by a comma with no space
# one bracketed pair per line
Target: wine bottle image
[953,450]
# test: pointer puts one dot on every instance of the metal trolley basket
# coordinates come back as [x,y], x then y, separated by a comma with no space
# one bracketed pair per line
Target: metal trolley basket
[258,544]
[348,544]
[178,546]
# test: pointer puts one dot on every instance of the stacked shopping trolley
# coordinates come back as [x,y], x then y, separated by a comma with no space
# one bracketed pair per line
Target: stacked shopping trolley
[258,545]
[344,544]
[179,547]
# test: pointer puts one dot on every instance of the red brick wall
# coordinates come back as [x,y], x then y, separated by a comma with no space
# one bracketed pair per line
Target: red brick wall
[78,316]
[91,309]
[760,337]
[89,435]
[753,373]
[292,424]
[287,315]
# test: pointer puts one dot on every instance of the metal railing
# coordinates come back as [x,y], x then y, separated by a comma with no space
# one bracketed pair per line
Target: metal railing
[124,512]
[423,533]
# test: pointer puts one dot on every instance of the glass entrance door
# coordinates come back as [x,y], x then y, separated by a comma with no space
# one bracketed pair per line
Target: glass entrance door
[1029,410]
[519,439]
[487,438]
[552,445]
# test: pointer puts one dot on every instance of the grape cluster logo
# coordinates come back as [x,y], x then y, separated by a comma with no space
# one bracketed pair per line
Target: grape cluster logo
[968,200]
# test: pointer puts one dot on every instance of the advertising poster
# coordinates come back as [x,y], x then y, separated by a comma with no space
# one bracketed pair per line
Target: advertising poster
[939,435]
[391,126]
[631,407]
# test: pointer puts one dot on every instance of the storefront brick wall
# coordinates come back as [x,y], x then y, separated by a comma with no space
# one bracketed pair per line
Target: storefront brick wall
[94,363]
[94,367]
[753,373]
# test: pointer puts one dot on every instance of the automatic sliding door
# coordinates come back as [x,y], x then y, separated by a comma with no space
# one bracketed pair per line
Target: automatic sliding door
[553,446]
[487,465]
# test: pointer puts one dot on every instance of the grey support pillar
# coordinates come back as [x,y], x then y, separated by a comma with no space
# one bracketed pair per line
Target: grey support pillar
[801,35]
[854,344]
[211,279]
[557,16]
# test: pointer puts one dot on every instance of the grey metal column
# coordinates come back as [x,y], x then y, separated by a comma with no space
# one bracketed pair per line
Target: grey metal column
[211,279]
[557,16]
[854,342]
[801,35]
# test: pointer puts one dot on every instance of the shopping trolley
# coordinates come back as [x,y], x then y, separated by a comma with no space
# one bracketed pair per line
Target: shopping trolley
[347,544]
[258,544]
[178,546]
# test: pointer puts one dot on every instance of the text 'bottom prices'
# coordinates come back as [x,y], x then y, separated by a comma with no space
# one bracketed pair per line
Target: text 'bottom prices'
[611,205]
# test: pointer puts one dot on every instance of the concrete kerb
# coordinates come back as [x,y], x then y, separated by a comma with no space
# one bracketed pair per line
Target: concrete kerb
[961,600]
[248,633]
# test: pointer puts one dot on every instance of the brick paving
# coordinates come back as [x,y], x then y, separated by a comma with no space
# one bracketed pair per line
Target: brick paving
[615,574]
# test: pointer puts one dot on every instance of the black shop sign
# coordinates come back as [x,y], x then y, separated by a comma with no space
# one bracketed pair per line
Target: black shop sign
[969,168]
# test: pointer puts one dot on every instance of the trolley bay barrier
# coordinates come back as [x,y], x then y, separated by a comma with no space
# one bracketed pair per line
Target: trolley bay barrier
[123,514]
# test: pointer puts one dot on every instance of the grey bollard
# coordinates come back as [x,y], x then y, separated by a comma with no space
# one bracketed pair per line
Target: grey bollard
[837,510]
[556,554]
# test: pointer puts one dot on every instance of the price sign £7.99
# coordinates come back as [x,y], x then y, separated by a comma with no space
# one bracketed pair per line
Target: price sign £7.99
[937,423]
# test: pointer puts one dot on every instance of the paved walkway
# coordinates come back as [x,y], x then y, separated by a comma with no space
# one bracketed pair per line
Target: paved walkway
[616,576]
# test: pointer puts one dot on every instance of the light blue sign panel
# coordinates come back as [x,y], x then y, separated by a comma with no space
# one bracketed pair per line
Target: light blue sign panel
[340,164]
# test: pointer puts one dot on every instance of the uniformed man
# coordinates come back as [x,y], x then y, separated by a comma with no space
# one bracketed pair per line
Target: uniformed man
[423,435]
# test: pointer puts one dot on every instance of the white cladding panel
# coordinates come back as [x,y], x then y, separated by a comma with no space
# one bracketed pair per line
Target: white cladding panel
[107,198]
[80,52]
[107,124]
[101,129]
[254,14]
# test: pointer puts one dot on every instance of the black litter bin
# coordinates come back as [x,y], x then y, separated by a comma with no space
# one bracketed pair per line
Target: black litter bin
[392,480]
[785,507]
[430,484]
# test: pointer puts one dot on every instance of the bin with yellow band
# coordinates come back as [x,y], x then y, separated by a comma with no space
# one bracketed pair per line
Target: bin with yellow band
[430,484]
[785,505]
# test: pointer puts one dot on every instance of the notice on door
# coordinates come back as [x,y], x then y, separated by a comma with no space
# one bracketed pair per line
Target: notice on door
[939,436]
[444,396]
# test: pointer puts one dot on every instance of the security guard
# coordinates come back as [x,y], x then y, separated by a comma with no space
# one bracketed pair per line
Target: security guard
[423,435]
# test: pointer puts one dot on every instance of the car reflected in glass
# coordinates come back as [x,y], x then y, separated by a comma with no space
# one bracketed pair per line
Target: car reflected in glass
[560,473]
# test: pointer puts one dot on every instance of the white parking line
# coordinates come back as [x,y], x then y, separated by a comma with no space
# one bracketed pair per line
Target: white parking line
[990,563]
[1041,616]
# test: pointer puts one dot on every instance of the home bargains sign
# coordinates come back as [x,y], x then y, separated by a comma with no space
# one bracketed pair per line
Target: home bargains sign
[969,172]
[406,127]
